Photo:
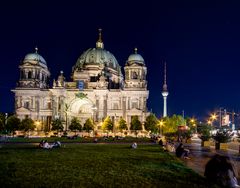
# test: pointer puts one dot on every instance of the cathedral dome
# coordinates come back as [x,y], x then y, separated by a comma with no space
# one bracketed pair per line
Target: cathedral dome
[135,57]
[35,57]
[97,56]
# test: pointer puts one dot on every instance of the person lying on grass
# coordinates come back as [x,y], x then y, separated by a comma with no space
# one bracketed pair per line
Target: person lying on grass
[45,145]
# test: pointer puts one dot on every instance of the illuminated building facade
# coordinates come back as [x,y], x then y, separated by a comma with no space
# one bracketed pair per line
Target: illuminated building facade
[97,89]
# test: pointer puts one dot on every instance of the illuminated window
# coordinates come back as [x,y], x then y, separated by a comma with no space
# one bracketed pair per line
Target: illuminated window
[134,75]
[134,104]
[29,74]
[26,104]
[49,105]
[115,106]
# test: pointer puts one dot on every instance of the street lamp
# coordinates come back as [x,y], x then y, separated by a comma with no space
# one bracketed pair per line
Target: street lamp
[37,123]
[6,117]
[193,123]
[161,127]
[192,120]
[213,117]
[209,122]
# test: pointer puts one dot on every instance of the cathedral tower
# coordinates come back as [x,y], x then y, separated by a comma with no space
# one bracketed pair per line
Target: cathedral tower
[135,72]
[32,98]
[34,72]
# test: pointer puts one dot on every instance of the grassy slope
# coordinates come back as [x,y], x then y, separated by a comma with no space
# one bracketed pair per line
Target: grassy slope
[90,165]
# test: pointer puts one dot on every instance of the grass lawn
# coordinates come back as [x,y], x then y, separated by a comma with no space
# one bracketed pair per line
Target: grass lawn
[93,165]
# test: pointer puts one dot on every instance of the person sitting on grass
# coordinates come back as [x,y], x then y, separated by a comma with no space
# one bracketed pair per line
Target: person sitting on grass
[182,152]
[160,142]
[95,140]
[41,144]
[134,145]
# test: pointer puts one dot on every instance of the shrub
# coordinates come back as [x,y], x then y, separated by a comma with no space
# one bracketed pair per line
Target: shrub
[222,136]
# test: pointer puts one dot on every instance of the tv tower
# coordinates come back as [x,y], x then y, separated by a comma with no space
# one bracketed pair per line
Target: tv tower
[165,92]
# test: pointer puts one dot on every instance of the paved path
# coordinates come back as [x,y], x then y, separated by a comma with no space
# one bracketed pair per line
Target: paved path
[201,155]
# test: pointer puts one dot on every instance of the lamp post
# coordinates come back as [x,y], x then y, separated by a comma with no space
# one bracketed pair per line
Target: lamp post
[220,117]
[193,123]
[161,127]
[6,116]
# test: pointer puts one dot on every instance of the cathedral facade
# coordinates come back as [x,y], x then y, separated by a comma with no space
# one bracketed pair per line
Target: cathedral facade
[98,89]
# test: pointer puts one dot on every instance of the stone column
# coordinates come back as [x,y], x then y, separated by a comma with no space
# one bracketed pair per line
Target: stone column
[124,107]
[144,104]
[54,106]
[105,106]
[97,105]
[21,102]
[142,101]
[129,106]
[32,103]
[16,102]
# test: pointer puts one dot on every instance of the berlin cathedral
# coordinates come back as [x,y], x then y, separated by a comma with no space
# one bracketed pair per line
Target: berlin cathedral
[98,89]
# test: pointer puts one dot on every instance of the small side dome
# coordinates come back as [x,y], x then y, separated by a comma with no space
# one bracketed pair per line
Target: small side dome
[135,57]
[35,57]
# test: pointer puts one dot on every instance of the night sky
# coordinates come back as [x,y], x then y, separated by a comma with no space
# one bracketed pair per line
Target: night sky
[199,40]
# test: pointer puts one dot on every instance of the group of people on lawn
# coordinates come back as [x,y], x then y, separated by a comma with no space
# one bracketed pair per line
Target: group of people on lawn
[218,170]
[45,145]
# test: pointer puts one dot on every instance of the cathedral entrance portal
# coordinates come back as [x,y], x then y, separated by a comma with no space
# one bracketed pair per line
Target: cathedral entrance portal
[81,109]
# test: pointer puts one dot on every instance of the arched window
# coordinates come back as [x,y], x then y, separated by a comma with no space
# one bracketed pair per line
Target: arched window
[30,74]
[26,105]
[134,75]
[134,104]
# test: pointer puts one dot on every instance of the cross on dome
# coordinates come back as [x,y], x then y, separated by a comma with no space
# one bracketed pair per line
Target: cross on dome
[99,43]
[135,50]
[36,49]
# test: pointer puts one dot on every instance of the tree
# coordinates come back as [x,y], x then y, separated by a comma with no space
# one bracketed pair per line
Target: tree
[2,125]
[122,125]
[172,123]
[204,132]
[2,122]
[136,125]
[57,125]
[12,124]
[222,136]
[75,125]
[107,124]
[27,124]
[88,125]
[151,123]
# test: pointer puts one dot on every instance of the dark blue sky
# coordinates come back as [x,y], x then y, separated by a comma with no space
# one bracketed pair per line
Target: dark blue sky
[199,40]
